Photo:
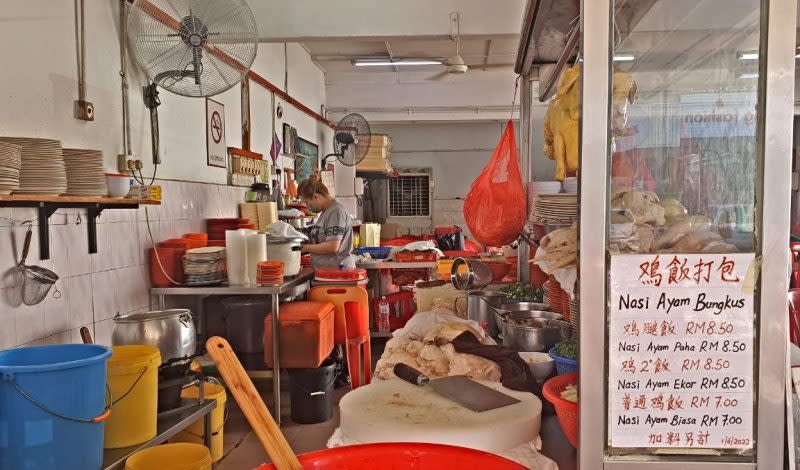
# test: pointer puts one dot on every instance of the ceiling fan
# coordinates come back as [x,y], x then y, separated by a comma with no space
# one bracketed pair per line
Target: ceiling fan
[455,65]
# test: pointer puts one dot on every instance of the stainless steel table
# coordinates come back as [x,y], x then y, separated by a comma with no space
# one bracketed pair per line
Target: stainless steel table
[296,286]
[170,423]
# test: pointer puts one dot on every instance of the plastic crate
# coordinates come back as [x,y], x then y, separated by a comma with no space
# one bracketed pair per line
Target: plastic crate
[416,257]
[381,252]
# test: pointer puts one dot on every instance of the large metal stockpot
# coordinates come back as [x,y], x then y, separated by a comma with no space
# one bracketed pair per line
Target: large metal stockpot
[171,331]
[480,307]
[530,338]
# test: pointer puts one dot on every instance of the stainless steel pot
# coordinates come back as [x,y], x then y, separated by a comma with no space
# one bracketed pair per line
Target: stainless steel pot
[171,331]
[527,338]
[480,307]
[522,305]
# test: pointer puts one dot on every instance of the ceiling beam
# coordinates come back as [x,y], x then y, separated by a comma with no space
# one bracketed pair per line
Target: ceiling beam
[488,53]
[293,21]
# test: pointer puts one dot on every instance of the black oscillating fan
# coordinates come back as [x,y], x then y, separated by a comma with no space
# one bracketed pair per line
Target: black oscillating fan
[351,140]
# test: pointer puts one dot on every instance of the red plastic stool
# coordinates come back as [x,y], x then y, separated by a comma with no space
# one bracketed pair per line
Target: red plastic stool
[357,326]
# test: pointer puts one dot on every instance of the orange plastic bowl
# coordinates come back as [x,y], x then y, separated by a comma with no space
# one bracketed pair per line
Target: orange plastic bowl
[402,456]
[566,411]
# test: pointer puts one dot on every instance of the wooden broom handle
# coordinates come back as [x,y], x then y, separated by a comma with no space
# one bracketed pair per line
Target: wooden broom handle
[252,405]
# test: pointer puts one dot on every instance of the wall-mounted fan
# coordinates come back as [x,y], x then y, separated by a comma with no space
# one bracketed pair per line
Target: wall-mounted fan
[190,48]
[351,140]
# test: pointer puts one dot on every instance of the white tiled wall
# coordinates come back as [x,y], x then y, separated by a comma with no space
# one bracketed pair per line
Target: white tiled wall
[96,287]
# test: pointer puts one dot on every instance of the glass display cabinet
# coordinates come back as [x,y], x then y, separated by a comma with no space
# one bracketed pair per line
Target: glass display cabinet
[679,127]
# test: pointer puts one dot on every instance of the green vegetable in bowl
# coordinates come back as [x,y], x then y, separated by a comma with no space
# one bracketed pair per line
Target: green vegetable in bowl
[567,348]
[523,292]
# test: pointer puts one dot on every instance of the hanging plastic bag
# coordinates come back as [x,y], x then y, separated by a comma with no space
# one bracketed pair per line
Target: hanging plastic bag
[495,208]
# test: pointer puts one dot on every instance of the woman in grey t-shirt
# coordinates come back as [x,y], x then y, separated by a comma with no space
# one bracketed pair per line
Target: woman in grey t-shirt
[332,237]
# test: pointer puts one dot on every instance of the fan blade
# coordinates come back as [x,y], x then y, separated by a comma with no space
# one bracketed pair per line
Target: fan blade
[439,76]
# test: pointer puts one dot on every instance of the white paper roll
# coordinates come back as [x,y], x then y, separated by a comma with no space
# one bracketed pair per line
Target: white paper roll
[235,249]
[256,252]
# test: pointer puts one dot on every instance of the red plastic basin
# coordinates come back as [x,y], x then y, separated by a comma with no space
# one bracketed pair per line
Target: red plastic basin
[402,456]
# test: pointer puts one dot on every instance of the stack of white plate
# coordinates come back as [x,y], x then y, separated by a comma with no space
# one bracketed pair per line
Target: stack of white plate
[544,187]
[10,162]
[204,266]
[570,185]
[42,169]
[555,208]
[85,175]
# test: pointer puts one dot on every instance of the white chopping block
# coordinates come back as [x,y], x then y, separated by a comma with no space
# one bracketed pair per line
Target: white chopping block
[396,411]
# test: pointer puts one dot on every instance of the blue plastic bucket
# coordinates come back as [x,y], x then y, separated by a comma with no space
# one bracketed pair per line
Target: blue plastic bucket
[59,424]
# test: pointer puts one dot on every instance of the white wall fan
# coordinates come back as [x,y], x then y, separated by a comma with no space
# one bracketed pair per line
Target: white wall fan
[190,48]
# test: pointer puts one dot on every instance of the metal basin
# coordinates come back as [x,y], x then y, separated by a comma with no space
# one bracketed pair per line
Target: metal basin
[533,338]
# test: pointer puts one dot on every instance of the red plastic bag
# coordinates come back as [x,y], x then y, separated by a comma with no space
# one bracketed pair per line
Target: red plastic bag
[495,207]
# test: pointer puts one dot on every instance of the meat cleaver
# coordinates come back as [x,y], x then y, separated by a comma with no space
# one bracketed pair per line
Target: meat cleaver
[466,392]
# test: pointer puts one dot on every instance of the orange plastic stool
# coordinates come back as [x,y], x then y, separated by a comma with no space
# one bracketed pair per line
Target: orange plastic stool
[357,325]
[338,296]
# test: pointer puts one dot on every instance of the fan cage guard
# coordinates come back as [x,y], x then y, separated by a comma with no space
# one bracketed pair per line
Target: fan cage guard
[193,48]
[357,127]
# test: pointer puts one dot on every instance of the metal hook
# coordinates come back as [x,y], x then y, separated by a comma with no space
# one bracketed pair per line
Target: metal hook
[56,292]
[78,220]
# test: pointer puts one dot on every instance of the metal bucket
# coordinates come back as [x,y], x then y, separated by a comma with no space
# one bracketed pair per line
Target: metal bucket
[481,306]
[528,338]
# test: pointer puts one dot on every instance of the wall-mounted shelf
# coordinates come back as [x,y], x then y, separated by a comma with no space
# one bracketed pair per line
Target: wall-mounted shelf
[47,205]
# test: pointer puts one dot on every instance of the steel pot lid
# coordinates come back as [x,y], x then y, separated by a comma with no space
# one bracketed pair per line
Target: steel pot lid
[153,315]
[282,240]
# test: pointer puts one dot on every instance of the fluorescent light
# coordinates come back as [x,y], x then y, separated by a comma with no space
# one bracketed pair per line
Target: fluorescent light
[384,62]
[754,55]
[748,75]
[623,57]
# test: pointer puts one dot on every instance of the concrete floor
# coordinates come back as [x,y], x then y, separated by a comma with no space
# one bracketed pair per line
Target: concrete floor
[242,449]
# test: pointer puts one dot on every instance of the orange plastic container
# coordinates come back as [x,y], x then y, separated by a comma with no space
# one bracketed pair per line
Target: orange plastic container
[306,337]
[566,411]
[172,266]
[338,296]
[402,456]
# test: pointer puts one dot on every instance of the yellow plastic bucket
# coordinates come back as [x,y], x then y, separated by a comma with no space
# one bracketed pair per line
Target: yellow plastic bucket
[181,456]
[133,382]
[194,433]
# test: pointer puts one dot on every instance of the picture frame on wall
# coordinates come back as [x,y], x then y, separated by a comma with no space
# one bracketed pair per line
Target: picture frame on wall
[289,140]
[216,149]
[306,160]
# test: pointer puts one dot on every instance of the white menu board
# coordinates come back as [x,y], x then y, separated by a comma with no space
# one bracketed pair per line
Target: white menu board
[680,356]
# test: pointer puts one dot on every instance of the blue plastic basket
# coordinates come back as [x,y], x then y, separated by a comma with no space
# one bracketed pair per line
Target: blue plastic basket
[563,365]
[377,252]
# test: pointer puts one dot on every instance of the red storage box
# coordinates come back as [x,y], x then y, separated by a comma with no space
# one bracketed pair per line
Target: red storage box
[306,337]
[416,257]
[401,309]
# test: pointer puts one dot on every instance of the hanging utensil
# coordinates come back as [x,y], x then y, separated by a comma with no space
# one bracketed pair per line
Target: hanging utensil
[476,276]
[36,280]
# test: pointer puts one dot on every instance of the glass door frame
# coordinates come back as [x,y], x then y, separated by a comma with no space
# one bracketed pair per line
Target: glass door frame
[777,80]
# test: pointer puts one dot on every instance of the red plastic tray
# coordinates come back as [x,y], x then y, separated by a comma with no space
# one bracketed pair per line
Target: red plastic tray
[336,274]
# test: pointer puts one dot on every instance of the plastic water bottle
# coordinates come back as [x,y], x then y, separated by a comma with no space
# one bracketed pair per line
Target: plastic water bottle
[383,315]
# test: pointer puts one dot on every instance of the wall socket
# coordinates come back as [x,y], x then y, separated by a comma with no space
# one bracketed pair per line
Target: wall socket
[84,110]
